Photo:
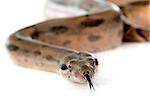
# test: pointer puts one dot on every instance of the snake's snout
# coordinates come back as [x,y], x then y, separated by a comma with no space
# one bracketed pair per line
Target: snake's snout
[86,70]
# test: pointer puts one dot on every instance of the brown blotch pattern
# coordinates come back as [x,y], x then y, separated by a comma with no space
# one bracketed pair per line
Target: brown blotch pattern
[140,33]
[126,28]
[37,52]
[12,47]
[18,39]
[94,38]
[58,29]
[35,34]
[140,3]
[91,22]
[87,15]
[49,57]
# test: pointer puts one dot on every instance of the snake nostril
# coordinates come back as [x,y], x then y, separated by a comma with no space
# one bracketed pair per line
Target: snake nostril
[85,72]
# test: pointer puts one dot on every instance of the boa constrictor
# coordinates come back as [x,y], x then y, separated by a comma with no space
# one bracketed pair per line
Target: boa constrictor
[63,45]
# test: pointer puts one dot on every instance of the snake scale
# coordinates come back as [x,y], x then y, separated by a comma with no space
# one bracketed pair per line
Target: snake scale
[64,45]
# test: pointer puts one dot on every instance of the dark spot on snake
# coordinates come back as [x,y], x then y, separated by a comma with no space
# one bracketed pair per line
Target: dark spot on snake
[140,33]
[58,29]
[126,28]
[64,67]
[96,61]
[87,15]
[94,38]
[12,47]
[66,42]
[35,34]
[49,58]
[37,52]
[140,3]
[18,39]
[91,22]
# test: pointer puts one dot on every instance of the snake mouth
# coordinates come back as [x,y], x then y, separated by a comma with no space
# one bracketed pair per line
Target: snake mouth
[87,77]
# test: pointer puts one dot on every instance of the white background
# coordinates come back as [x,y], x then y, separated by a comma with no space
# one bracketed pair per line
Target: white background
[124,75]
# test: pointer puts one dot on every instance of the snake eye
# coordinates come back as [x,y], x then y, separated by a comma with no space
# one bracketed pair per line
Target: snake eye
[96,61]
[64,67]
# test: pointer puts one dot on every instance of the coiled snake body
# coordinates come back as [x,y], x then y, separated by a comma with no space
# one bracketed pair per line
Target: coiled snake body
[61,45]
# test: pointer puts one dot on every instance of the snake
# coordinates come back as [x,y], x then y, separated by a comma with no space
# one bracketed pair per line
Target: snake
[66,45]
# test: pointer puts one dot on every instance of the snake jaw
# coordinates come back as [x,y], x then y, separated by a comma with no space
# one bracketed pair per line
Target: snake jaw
[89,81]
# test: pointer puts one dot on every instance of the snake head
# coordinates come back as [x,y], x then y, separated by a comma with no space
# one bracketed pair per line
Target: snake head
[79,67]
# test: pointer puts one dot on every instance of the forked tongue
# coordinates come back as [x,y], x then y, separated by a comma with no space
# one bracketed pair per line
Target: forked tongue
[89,81]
